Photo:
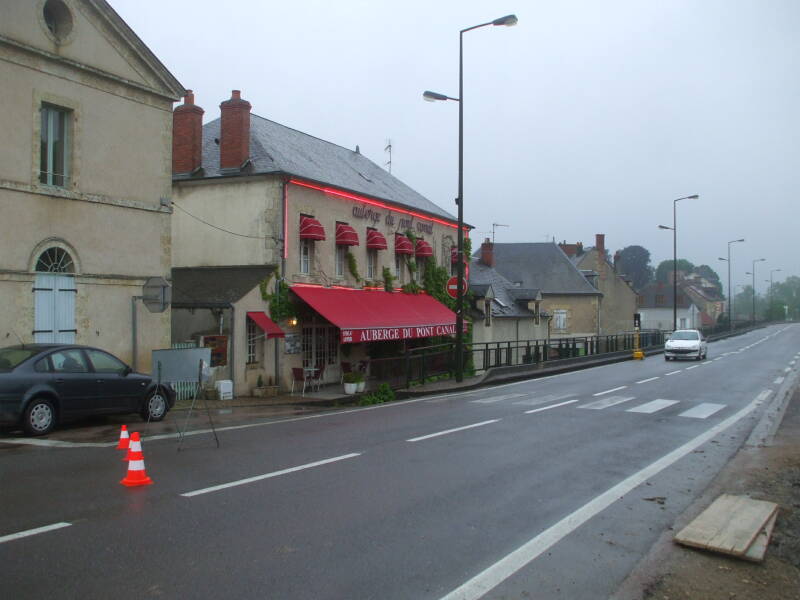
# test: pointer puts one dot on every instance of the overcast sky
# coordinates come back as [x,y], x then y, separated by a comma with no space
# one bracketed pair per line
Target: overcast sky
[587,117]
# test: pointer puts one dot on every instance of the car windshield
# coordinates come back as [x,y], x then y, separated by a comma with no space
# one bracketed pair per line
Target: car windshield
[10,358]
[684,335]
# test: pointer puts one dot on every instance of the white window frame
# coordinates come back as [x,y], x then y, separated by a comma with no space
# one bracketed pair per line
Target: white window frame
[560,319]
[341,260]
[252,337]
[306,256]
[49,176]
[399,263]
[372,263]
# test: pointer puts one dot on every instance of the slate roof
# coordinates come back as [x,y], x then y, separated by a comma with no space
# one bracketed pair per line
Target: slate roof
[277,149]
[210,287]
[543,266]
[482,276]
[649,292]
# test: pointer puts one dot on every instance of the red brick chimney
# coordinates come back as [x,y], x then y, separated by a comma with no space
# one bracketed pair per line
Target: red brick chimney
[600,245]
[487,253]
[234,142]
[187,136]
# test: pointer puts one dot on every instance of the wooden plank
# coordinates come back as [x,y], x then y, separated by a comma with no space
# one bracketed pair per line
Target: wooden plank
[758,549]
[730,525]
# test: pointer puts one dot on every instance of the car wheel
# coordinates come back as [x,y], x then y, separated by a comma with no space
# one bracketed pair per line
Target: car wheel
[155,407]
[666,358]
[40,417]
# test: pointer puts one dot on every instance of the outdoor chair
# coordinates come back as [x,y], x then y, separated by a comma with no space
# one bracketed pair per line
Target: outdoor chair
[298,375]
[318,374]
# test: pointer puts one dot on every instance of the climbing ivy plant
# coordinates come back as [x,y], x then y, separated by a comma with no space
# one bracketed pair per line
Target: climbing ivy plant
[352,265]
[280,306]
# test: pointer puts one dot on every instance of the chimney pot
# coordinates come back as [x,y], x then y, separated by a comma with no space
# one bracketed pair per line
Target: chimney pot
[187,135]
[487,253]
[234,146]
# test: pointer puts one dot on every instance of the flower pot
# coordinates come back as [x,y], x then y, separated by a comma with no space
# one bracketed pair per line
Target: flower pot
[361,386]
[350,388]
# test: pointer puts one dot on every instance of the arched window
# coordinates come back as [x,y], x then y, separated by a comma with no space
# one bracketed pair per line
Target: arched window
[55,260]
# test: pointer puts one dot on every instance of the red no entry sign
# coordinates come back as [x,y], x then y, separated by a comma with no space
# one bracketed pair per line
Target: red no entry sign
[452,286]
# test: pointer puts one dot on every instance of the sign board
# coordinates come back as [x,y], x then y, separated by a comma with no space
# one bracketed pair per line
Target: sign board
[156,294]
[219,349]
[292,343]
[179,364]
[452,287]
[382,334]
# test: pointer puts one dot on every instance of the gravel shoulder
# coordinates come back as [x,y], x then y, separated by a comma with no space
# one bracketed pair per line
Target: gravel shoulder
[672,572]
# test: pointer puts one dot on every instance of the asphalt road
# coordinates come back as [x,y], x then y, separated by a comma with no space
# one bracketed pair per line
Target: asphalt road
[548,488]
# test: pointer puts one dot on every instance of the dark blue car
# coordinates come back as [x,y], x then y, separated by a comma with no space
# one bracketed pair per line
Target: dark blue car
[42,384]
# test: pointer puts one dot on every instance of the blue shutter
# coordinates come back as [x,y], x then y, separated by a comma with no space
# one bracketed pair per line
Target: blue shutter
[65,293]
[44,305]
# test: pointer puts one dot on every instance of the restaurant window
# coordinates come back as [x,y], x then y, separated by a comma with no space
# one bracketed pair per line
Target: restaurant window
[252,337]
[54,146]
[306,256]
[419,274]
[341,260]
[398,267]
[320,345]
[372,263]
[560,319]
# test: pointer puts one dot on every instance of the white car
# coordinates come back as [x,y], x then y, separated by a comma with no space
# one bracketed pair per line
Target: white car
[686,343]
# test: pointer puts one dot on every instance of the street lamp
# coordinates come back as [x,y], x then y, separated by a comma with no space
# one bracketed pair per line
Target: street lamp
[674,229]
[753,273]
[771,293]
[730,292]
[508,21]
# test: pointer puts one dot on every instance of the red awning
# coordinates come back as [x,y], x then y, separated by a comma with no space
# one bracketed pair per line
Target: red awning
[310,229]
[402,245]
[267,325]
[375,240]
[346,235]
[376,315]
[423,249]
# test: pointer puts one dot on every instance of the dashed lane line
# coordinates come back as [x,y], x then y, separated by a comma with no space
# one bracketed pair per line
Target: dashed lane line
[28,532]
[778,380]
[692,367]
[231,484]
[673,372]
[535,410]
[455,429]
[616,389]
[646,380]
[491,577]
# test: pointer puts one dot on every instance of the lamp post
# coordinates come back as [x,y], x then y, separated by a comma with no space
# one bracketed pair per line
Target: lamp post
[508,21]
[753,273]
[674,229]
[771,293]
[730,291]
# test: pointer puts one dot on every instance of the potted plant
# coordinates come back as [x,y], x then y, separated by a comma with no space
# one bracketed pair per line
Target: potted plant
[361,382]
[351,383]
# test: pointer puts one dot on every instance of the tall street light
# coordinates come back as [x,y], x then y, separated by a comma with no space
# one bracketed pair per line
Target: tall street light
[674,229]
[730,291]
[508,21]
[753,273]
[771,293]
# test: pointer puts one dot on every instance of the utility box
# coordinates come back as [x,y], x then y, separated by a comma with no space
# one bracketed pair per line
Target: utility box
[224,389]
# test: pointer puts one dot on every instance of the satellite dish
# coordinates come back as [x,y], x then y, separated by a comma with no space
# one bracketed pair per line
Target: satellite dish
[156,294]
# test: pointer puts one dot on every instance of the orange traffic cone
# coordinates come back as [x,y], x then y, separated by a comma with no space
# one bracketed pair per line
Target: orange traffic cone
[123,438]
[136,473]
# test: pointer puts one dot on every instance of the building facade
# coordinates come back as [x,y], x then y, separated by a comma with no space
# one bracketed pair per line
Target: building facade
[338,230]
[84,174]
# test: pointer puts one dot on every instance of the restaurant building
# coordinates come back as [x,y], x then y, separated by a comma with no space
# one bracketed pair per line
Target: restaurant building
[343,235]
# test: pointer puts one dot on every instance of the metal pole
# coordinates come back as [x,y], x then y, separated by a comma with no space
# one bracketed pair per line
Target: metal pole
[460,268]
[730,292]
[134,335]
[674,265]
[754,293]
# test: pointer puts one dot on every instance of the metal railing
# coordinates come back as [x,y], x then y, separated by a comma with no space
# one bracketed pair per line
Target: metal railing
[429,363]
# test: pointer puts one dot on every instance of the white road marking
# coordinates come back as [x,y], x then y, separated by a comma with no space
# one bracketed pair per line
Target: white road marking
[787,369]
[29,532]
[651,407]
[544,399]
[622,387]
[692,367]
[223,486]
[646,380]
[791,362]
[702,411]
[718,358]
[673,372]
[446,431]
[606,402]
[778,380]
[493,399]
[535,410]
[490,578]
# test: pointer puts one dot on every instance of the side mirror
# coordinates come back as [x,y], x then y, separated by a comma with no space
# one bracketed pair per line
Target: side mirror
[126,371]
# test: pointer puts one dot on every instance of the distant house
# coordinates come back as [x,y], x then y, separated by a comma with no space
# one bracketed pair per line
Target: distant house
[567,296]
[705,295]
[501,311]
[655,306]
[618,303]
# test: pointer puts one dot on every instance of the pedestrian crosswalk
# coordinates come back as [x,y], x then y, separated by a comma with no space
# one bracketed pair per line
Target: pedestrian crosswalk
[692,410]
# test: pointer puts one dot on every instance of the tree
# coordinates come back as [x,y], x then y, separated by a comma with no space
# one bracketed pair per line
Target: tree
[708,273]
[664,269]
[634,261]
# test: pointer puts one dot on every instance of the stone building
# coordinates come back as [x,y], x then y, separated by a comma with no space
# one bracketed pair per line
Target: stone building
[84,177]
[249,192]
